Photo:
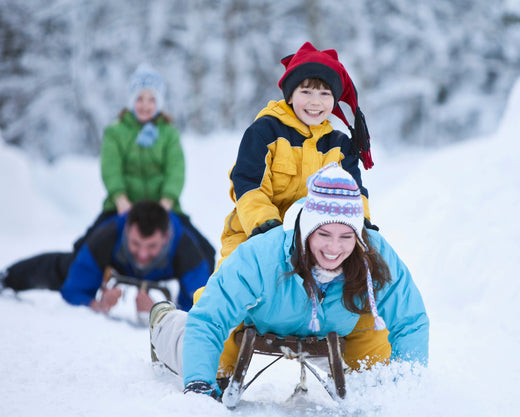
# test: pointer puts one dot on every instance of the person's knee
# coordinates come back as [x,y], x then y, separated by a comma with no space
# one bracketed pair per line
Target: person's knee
[229,355]
[197,294]
[365,346]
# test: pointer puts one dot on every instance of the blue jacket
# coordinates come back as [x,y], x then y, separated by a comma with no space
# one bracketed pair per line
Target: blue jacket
[252,285]
[104,248]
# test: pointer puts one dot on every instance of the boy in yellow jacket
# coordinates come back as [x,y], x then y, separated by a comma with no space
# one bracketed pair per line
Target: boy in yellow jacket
[290,140]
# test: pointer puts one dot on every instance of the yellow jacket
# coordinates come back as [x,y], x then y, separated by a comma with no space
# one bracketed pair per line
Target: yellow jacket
[277,154]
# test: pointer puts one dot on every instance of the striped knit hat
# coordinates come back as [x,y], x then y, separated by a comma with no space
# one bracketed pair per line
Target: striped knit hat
[333,197]
[146,78]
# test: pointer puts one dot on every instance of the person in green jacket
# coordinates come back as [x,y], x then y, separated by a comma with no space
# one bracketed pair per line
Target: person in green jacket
[141,155]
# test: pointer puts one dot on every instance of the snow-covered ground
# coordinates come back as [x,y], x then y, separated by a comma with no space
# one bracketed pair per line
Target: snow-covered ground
[451,214]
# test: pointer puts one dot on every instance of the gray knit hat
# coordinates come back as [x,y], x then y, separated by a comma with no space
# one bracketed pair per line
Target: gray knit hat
[146,78]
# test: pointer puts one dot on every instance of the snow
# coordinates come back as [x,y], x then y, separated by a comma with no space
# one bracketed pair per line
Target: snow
[449,213]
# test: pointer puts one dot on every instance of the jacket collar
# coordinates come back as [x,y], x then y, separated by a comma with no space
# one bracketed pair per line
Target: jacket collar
[284,112]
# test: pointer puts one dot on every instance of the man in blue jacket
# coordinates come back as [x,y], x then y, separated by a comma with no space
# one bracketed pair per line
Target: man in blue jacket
[147,243]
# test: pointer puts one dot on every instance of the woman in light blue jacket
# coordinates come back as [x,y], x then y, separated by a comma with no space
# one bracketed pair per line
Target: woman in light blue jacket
[315,274]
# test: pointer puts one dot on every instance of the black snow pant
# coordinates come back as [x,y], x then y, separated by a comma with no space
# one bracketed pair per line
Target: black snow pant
[46,271]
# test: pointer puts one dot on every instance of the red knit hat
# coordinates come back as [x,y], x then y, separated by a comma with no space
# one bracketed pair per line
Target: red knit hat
[308,62]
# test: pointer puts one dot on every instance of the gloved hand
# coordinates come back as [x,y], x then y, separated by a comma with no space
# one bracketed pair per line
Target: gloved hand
[369,225]
[264,227]
[202,387]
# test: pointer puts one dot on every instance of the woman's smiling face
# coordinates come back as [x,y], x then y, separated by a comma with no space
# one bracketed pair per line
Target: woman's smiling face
[331,244]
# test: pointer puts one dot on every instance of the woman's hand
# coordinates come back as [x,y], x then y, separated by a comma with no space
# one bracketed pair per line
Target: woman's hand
[202,387]
[123,204]
[166,203]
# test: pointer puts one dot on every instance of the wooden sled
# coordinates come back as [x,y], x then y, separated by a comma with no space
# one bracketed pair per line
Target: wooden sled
[290,347]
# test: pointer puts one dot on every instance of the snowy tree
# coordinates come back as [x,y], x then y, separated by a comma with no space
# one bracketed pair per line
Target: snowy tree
[427,73]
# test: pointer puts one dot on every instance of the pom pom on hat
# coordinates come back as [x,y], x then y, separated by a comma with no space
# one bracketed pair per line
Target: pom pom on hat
[308,62]
[146,78]
[333,197]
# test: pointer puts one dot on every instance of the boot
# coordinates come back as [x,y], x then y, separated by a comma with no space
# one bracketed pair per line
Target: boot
[157,313]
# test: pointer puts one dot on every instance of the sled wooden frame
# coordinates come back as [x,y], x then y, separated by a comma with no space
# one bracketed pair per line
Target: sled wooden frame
[290,347]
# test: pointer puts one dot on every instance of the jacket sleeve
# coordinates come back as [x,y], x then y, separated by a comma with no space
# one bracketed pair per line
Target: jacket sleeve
[251,178]
[173,164]
[112,164]
[222,306]
[83,280]
[401,306]
[85,274]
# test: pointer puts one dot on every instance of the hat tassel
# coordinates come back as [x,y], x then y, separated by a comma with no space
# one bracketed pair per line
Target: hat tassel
[361,138]
[379,323]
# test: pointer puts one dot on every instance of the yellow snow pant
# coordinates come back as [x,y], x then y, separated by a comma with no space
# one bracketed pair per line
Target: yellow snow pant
[364,346]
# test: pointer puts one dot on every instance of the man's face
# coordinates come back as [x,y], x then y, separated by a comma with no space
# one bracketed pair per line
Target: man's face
[145,249]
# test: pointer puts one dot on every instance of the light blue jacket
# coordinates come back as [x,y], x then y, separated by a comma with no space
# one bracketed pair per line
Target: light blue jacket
[252,285]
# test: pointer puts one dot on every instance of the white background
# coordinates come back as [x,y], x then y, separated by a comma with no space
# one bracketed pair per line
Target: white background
[451,214]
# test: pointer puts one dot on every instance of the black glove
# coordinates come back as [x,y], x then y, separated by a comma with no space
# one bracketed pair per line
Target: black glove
[201,387]
[369,225]
[264,227]
[223,383]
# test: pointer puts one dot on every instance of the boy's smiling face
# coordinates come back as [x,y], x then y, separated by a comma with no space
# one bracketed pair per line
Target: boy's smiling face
[312,105]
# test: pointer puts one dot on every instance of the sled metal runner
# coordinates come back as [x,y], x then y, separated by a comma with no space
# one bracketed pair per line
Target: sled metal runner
[113,278]
[290,347]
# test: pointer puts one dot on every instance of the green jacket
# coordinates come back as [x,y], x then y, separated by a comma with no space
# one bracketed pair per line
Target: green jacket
[141,173]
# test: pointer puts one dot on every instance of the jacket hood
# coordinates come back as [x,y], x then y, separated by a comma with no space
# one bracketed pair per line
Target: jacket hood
[289,223]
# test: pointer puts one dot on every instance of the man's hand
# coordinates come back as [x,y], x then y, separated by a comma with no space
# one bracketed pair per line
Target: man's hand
[143,302]
[108,300]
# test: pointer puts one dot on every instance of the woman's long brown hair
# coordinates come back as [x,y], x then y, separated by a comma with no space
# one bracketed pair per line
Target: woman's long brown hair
[354,271]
